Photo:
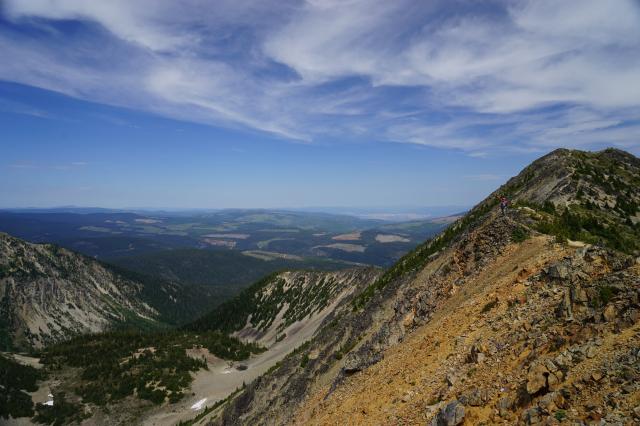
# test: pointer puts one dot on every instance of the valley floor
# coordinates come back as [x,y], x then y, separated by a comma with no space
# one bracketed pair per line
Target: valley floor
[220,380]
[223,378]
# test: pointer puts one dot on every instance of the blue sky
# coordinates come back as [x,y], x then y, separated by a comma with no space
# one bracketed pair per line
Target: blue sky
[295,104]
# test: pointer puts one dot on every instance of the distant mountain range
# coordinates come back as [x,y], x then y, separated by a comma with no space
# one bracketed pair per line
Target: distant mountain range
[391,214]
[108,234]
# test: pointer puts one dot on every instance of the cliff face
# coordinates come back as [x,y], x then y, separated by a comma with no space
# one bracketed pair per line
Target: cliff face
[48,294]
[522,318]
[294,298]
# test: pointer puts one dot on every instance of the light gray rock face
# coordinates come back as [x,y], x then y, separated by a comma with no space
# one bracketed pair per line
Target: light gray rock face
[298,297]
[48,294]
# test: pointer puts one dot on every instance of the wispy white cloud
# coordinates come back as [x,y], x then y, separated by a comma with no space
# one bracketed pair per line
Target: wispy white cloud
[521,75]
[74,165]
[148,25]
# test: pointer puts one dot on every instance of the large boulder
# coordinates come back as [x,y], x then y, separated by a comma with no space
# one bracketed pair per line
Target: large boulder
[353,364]
[543,376]
[451,415]
[559,271]
[475,397]
[609,313]
[359,361]
[477,354]
[537,378]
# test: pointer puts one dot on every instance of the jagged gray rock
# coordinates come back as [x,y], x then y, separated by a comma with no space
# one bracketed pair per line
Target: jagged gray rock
[559,270]
[451,415]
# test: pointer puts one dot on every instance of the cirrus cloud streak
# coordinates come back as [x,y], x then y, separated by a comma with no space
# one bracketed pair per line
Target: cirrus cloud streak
[516,75]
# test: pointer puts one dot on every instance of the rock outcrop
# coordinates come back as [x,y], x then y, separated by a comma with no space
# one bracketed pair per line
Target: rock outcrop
[48,294]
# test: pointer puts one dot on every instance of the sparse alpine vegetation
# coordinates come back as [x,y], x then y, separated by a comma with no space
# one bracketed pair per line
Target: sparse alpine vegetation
[596,201]
[146,369]
[523,317]
[421,255]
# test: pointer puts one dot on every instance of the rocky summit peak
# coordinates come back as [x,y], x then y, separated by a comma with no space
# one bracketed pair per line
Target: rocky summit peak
[577,195]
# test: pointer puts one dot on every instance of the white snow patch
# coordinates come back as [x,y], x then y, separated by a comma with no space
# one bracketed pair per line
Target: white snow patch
[198,405]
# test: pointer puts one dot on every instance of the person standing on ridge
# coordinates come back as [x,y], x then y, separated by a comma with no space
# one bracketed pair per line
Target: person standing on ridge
[504,202]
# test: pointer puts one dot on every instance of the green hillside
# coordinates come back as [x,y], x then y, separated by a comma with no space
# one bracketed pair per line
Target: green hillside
[177,303]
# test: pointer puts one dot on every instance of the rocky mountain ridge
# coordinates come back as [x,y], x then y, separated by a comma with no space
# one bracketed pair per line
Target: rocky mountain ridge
[529,318]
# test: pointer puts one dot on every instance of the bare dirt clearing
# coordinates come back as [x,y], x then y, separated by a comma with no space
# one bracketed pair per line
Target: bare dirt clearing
[390,238]
[232,236]
[270,255]
[352,236]
[352,248]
